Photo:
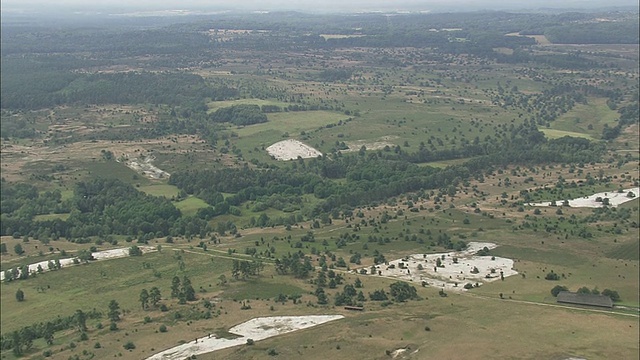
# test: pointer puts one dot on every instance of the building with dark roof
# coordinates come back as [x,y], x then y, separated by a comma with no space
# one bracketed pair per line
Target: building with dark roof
[567,297]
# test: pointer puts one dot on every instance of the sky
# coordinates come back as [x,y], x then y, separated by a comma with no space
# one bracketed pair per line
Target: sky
[301,5]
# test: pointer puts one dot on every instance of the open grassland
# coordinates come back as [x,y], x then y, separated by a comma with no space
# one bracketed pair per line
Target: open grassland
[476,319]
[214,105]
[165,190]
[495,331]
[588,119]
[556,134]
[190,205]
[292,122]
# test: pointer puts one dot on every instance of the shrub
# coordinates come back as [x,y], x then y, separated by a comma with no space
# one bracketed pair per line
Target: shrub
[552,276]
[612,294]
[250,342]
[97,345]
[163,328]
[556,289]
[272,352]
[129,345]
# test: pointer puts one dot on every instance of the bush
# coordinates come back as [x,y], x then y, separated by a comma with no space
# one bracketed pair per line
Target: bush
[468,286]
[556,289]
[163,328]
[250,342]
[552,276]
[129,345]
[612,294]
[113,326]
[97,345]
[272,352]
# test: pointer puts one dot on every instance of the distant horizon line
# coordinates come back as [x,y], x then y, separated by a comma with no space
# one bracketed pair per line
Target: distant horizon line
[195,11]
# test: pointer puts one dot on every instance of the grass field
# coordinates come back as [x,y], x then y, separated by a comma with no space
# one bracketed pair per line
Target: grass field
[556,134]
[190,205]
[164,190]
[586,119]
[46,217]
[214,105]
[292,122]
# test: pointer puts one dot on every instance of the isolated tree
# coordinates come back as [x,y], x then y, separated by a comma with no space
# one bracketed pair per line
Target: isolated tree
[114,311]
[20,295]
[175,287]
[154,296]
[187,290]
[144,298]
[18,249]
[3,247]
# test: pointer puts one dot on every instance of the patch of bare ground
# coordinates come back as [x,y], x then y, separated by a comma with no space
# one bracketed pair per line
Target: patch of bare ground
[16,157]
[292,149]
[377,144]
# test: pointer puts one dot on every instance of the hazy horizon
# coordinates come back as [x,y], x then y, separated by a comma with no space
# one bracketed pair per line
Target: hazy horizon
[330,6]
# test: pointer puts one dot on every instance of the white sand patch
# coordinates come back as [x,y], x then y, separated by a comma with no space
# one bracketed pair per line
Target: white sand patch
[397,353]
[256,329]
[615,198]
[452,273]
[292,149]
[99,255]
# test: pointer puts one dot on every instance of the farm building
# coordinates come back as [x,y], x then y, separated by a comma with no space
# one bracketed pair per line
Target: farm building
[568,297]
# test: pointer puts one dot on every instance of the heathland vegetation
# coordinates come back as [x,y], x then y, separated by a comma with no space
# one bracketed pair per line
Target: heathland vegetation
[435,130]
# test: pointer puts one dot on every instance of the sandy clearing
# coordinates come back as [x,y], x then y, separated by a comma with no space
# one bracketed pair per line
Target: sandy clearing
[615,199]
[99,255]
[292,149]
[378,144]
[257,329]
[452,273]
[146,168]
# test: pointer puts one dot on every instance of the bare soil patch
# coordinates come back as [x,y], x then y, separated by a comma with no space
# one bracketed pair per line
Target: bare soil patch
[292,149]
[457,268]
[255,329]
[615,199]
